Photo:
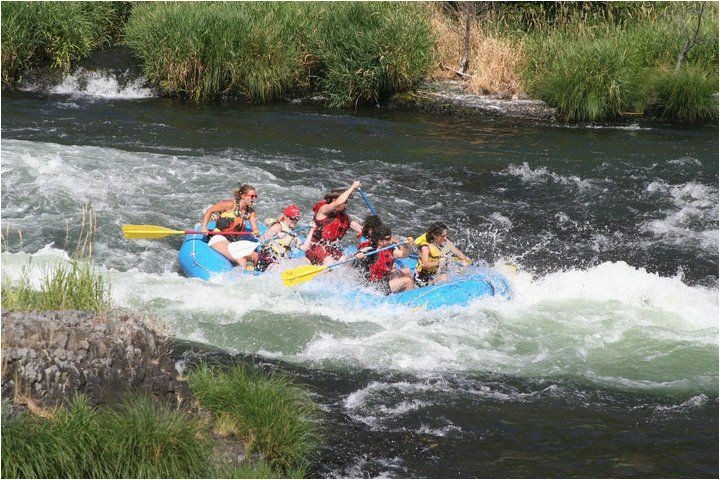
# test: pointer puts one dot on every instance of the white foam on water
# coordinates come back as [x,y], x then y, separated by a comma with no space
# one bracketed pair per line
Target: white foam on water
[612,324]
[694,205]
[99,84]
[542,174]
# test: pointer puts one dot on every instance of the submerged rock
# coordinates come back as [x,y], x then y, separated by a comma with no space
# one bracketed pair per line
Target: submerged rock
[50,356]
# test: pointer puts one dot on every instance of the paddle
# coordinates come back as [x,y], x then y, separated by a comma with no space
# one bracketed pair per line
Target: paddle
[367,201]
[243,248]
[298,275]
[154,231]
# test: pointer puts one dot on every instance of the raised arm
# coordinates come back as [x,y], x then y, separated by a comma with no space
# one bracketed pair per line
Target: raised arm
[218,207]
[342,198]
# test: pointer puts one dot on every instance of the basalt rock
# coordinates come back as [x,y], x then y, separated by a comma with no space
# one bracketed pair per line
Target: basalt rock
[50,356]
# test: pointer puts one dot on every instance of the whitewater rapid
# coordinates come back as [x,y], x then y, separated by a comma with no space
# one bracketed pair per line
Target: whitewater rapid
[611,325]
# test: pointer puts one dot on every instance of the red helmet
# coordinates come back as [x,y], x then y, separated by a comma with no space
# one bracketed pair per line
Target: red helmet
[292,212]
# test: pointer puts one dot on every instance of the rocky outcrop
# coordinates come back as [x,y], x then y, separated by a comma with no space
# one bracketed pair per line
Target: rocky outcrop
[50,356]
[449,98]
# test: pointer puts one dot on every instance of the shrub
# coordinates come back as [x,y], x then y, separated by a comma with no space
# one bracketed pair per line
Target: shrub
[687,95]
[368,51]
[140,440]
[267,412]
[205,50]
[67,286]
[54,34]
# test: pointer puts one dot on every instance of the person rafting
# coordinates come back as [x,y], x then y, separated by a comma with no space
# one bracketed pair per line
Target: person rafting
[280,237]
[434,249]
[370,223]
[231,217]
[332,223]
[379,269]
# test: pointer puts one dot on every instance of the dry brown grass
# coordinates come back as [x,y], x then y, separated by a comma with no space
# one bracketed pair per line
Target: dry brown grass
[494,63]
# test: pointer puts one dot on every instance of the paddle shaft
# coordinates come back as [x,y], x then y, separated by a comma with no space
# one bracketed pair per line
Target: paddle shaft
[369,254]
[367,201]
[244,232]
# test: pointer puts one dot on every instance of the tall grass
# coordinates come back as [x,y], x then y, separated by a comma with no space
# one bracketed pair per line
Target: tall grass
[140,440]
[352,52]
[368,51]
[686,95]
[54,34]
[66,286]
[205,50]
[268,413]
[494,60]
[596,71]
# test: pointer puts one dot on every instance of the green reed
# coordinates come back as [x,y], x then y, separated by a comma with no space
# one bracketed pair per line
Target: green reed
[138,440]
[352,52]
[73,285]
[54,34]
[266,411]
[595,71]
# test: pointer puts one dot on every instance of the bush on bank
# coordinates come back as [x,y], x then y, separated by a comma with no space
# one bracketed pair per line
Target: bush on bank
[266,412]
[139,439]
[352,52]
[597,69]
[54,34]
[67,286]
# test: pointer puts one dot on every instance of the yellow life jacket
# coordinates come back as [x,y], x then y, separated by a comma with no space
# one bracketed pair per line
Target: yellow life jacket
[435,255]
[281,244]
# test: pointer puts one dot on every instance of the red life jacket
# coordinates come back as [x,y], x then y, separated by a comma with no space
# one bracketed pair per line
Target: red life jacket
[332,229]
[382,267]
[364,244]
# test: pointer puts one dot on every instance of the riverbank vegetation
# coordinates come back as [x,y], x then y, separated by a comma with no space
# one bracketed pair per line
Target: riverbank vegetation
[592,61]
[350,52]
[54,35]
[264,419]
[136,438]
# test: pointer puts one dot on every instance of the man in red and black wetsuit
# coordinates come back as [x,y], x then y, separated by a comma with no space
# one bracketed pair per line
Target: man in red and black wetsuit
[332,224]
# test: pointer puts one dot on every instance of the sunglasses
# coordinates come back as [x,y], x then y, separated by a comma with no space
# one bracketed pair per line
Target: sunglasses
[386,239]
[295,219]
[251,196]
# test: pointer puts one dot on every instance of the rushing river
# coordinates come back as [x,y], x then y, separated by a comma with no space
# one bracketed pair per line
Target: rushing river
[604,363]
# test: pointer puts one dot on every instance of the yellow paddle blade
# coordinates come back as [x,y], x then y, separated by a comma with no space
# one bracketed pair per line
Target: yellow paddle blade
[298,275]
[148,231]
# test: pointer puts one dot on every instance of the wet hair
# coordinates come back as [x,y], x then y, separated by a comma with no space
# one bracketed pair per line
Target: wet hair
[380,232]
[435,230]
[371,223]
[333,194]
[244,188]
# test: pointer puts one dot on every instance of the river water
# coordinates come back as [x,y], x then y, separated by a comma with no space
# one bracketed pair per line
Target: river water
[604,362]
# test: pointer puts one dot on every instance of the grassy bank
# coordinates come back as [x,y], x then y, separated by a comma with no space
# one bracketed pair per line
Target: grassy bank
[590,60]
[351,52]
[137,439]
[53,35]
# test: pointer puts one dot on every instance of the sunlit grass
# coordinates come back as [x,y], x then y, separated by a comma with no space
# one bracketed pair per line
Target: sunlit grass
[269,414]
[54,34]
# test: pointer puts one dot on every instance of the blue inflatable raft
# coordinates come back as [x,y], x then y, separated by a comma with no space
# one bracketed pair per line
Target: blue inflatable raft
[199,260]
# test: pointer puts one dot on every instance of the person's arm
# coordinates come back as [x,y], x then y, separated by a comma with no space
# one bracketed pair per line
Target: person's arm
[457,252]
[271,232]
[425,257]
[254,224]
[325,209]
[308,240]
[356,226]
[218,207]
[403,251]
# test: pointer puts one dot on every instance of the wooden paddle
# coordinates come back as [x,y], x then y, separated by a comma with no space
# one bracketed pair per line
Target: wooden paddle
[298,275]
